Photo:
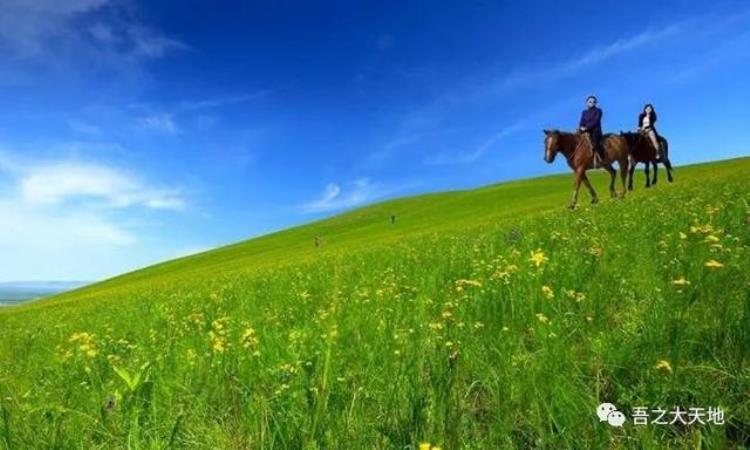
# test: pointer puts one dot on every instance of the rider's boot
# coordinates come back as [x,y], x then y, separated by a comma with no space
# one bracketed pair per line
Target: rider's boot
[598,158]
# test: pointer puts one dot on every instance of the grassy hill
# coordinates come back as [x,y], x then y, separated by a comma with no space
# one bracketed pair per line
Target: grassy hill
[486,318]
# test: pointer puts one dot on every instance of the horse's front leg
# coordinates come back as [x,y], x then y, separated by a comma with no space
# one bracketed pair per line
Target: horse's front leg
[594,198]
[656,172]
[578,177]
[624,168]
[648,175]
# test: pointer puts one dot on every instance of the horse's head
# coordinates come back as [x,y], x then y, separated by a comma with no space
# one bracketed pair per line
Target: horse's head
[551,145]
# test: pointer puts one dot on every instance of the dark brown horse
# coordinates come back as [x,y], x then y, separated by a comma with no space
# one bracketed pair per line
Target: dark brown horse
[642,151]
[579,154]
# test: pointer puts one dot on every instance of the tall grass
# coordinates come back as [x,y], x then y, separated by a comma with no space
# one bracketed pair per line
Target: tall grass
[489,335]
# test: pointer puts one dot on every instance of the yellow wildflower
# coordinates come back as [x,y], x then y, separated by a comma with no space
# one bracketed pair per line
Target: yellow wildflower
[219,345]
[460,283]
[249,339]
[424,446]
[663,365]
[538,257]
[681,282]
[436,326]
[705,229]
[548,292]
[542,318]
[713,264]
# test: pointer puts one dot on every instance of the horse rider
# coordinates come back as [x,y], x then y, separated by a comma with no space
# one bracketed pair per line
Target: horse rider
[591,123]
[646,125]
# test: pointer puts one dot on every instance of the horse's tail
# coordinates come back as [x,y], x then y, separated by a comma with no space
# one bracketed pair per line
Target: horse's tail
[665,146]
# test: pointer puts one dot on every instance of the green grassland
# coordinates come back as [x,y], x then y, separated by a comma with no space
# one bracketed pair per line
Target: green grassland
[482,319]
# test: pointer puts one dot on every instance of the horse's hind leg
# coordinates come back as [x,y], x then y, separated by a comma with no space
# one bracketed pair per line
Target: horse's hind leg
[648,175]
[612,176]
[630,174]
[656,171]
[668,165]
[624,175]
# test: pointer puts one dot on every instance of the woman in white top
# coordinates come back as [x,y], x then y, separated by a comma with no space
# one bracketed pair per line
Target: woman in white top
[646,125]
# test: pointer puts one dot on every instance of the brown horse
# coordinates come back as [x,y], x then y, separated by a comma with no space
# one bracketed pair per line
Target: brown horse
[642,150]
[580,156]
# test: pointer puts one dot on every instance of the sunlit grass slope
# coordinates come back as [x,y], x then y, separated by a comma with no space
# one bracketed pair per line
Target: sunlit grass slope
[371,226]
[488,318]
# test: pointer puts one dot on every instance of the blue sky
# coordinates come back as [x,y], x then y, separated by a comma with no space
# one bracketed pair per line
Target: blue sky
[133,132]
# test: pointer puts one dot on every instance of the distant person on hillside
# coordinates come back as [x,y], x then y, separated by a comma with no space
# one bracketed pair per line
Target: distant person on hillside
[646,125]
[591,123]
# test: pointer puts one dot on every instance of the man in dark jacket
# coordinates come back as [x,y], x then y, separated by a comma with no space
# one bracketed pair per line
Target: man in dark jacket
[591,123]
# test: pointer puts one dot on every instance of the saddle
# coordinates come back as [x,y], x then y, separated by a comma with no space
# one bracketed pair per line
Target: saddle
[598,160]
[643,134]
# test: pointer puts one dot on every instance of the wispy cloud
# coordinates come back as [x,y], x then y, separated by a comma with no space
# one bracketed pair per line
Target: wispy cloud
[29,229]
[335,198]
[163,123]
[192,105]
[83,37]
[468,157]
[62,183]
[52,209]
[27,27]
[75,183]
[429,117]
[391,147]
[167,122]
[535,119]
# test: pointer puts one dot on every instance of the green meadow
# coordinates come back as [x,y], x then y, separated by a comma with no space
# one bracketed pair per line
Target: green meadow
[489,318]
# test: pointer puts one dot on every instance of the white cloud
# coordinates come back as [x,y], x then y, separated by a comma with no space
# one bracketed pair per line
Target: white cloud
[334,198]
[26,229]
[166,122]
[150,44]
[76,220]
[192,105]
[163,123]
[27,26]
[80,37]
[476,153]
[59,183]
